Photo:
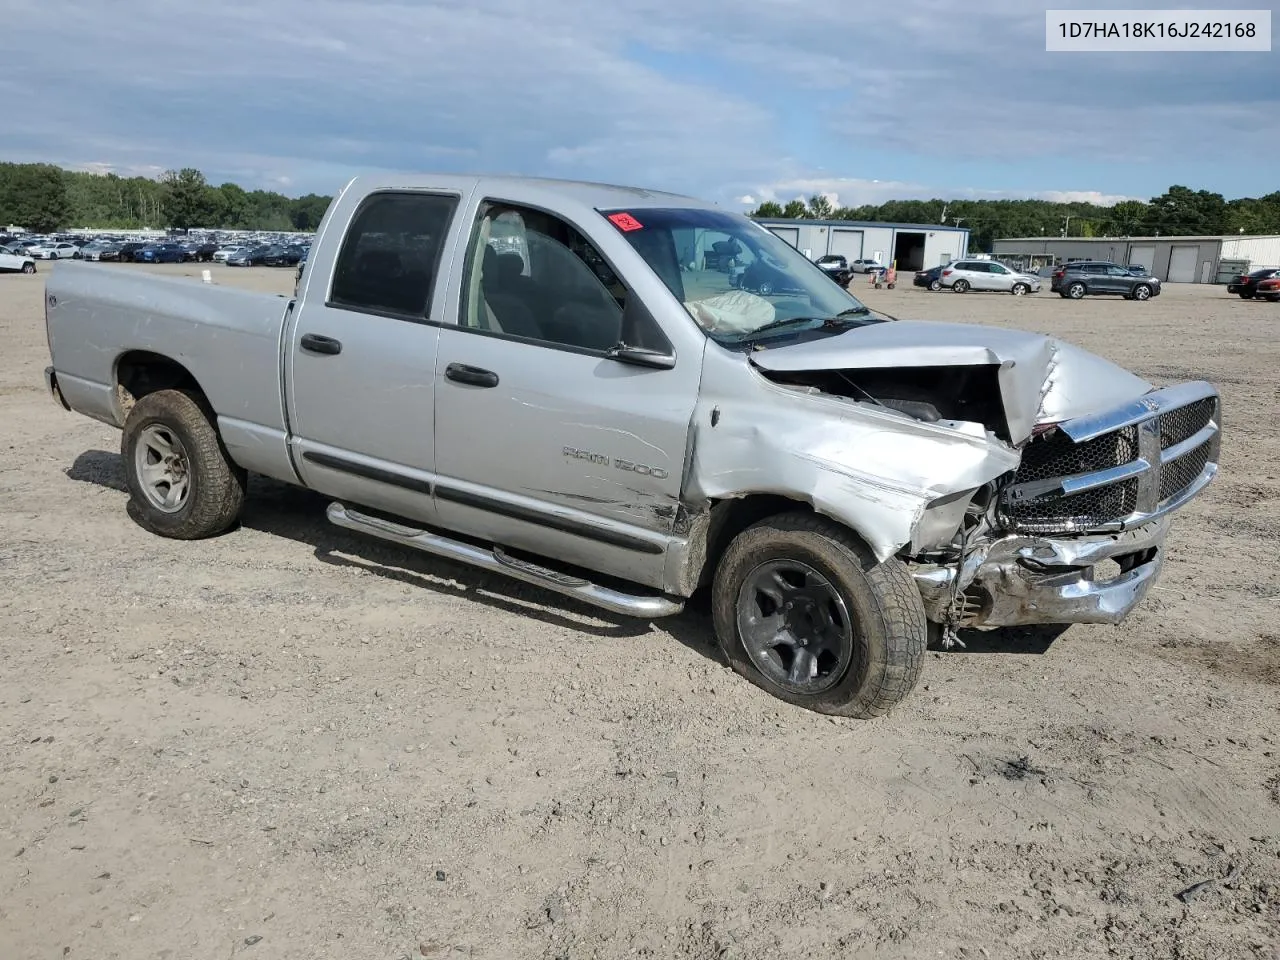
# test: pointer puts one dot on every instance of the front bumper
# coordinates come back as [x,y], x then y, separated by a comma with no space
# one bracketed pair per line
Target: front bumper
[1025,580]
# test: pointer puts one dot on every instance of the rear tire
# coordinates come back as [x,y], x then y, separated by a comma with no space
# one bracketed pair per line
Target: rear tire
[960,286]
[182,483]
[1076,290]
[853,641]
[1246,295]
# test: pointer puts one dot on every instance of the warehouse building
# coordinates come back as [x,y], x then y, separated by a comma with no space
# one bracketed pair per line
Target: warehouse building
[1216,259]
[912,246]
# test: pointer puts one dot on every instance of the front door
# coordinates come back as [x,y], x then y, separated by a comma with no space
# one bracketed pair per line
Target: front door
[362,355]
[542,441]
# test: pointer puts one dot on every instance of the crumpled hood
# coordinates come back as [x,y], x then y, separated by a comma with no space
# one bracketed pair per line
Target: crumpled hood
[1042,379]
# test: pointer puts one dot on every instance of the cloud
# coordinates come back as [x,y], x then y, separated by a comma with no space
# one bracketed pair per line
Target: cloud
[717,99]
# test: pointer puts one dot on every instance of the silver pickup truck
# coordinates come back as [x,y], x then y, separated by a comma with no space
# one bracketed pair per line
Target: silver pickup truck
[626,396]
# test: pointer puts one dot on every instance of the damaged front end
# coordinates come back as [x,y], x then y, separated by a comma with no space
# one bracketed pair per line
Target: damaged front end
[1023,480]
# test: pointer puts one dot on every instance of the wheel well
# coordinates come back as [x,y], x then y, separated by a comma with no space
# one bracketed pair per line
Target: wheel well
[730,517]
[140,372]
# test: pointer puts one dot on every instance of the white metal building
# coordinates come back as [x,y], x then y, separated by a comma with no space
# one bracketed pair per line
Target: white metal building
[913,246]
[1209,259]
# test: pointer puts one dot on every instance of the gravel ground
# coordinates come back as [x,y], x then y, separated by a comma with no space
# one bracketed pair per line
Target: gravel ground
[291,742]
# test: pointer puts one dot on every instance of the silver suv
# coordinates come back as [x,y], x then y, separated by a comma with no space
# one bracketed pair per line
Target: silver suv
[965,275]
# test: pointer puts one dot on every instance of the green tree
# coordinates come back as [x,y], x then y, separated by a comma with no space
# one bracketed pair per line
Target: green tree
[34,195]
[1186,212]
[821,207]
[186,200]
[768,208]
[795,210]
[307,212]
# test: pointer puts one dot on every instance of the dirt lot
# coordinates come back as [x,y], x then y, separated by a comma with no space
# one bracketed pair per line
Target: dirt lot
[289,742]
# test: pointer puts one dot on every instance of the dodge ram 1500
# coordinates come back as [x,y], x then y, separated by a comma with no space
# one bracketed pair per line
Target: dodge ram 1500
[549,380]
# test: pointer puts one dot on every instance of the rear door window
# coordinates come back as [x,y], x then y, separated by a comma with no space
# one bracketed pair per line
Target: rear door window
[390,255]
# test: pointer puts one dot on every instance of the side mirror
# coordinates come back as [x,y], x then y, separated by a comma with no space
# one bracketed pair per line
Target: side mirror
[641,356]
[642,341]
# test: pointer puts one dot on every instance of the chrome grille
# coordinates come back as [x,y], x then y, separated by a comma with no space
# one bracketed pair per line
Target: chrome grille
[1184,422]
[1118,469]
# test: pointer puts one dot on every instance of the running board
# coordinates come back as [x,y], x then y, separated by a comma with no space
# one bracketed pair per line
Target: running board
[496,561]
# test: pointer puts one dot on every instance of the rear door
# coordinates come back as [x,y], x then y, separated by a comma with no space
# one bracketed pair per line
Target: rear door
[361,353]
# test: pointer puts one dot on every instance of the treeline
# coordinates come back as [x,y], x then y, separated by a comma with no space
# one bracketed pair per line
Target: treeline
[44,198]
[1180,211]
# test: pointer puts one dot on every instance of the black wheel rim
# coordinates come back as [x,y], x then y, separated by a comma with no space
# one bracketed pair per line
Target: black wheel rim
[795,626]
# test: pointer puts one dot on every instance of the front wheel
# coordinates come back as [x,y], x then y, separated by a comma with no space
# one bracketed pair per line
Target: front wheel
[803,610]
[182,483]
[1142,292]
[935,285]
[1021,289]
[28,268]
[960,286]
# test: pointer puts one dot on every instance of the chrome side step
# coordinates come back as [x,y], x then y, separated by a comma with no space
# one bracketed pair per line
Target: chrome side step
[497,561]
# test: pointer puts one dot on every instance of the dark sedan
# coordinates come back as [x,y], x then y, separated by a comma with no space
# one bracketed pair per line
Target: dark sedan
[283,257]
[931,278]
[159,253]
[1246,285]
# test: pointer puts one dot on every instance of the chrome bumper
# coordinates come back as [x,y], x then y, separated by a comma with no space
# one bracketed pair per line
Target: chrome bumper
[1022,580]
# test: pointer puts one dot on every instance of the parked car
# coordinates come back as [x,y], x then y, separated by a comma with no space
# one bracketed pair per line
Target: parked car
[961,276]
[159,253]
[1246,285]
[845,486]
[16,262]
[54,250]
[931,278]
[199,252]
[250,256]
[865,265]
[1100,277]
[95,250]
[1268,288]
[129,250]
[836,267]
[282,256]
[222,253]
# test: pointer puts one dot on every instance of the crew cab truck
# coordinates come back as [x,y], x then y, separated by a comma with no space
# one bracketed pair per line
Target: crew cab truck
[543,379]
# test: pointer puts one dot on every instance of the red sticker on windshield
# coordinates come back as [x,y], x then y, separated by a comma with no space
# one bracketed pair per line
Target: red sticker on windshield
[625,221]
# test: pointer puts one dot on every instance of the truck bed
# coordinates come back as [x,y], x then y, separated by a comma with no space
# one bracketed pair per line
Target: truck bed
[227,340]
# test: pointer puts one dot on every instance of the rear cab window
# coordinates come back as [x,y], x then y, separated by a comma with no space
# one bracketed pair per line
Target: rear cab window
[390,256]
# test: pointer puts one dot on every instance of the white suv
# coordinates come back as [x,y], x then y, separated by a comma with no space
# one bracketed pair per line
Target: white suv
[965,275]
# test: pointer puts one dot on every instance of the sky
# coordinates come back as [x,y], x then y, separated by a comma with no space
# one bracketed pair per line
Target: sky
[729,101]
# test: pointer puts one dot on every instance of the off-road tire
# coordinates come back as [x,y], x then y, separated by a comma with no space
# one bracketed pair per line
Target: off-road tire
[890,631]
[217,485]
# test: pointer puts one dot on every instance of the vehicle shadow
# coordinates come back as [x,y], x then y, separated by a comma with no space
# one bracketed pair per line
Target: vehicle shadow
[293,513]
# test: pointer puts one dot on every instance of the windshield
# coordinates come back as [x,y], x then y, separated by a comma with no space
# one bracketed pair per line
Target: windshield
[735,277]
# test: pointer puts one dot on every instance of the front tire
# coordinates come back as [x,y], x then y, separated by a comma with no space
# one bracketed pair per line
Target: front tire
[1142,292]
[804,611]
[28,268]
[960,286]
[1020,290]
[935,285]
[182,483]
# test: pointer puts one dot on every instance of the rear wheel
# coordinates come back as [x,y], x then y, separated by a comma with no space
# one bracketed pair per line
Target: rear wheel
[960,286]
[1246,295]
[803,610]
[182,484]
[1142,292]
[1076,290]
